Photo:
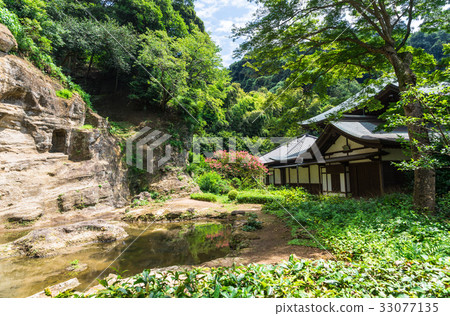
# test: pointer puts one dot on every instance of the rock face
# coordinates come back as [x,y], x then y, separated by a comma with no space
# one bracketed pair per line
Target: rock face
[51,241]
[174,182]
[51,163]
[7,40]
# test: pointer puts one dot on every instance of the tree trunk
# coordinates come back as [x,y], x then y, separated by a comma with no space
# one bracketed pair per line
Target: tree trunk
[424,179]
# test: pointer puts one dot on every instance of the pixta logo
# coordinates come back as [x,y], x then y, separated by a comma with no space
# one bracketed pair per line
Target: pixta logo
[141,147]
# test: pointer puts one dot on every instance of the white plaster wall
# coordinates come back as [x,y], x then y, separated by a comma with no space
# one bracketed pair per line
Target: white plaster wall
[394,154]
[293,175]
[304,176]
[277,175]
[314,174]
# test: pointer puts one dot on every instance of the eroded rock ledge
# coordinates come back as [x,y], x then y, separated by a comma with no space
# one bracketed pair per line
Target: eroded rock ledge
[56,155]
[52,241]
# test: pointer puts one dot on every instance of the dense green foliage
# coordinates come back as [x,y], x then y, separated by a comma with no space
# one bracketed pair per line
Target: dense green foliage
[256,197]
[213,182]
[323,42]
[435,120]
[184,72]
[295,278]
[155,51]
[386,228]
[432,43]
[250,80]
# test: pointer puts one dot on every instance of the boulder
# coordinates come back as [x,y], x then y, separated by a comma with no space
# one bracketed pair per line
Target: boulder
[20,216]
[78,199]
[175,183]
[77,267]
[54,290]
[7,40]
[143,196]
[52,241]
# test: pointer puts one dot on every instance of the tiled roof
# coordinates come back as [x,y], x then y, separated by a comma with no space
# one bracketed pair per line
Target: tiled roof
[289,150]
[349,104]
[367,130]
[361,97]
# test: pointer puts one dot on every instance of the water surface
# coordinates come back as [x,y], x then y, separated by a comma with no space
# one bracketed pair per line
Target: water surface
[163,245]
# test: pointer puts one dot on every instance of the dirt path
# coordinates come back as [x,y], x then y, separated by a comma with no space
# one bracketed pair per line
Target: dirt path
[269,245]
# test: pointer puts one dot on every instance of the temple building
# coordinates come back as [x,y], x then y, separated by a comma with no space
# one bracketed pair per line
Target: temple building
[352,156]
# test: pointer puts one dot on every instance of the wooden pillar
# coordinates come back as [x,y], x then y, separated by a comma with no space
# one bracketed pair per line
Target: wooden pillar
[320,179]
[380,172]
[309,175]
[345,179]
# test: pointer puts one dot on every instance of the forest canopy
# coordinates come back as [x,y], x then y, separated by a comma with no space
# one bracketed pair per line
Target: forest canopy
[158,53]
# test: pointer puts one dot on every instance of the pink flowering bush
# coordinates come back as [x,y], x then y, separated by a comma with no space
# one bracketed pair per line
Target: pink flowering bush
[237,164]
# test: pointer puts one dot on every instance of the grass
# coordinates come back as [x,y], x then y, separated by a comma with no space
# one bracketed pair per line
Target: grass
[75,264]
[121,129]
[64,94]
[87,127]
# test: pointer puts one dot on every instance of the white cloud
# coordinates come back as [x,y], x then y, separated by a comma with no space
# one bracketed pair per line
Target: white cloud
[225,26]
[220,16]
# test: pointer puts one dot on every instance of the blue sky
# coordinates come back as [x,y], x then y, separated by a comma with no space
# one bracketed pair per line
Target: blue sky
[219,17]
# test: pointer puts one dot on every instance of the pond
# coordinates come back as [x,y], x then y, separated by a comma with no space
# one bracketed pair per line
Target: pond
[163,245]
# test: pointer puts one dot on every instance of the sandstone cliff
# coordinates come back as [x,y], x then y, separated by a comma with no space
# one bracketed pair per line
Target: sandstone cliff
[58,162]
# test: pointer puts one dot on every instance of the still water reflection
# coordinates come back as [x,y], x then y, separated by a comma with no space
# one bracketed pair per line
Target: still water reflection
[162,245]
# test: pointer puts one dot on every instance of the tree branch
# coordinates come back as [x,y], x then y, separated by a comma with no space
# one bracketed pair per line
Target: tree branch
[408,28]
[357,6]
[360,43]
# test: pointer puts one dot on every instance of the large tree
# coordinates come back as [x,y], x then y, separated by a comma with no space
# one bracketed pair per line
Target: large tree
[182,72]
[332,39]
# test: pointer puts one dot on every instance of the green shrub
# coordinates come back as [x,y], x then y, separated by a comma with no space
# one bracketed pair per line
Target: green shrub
[139,203]
[443,204]
[236,183]
[212,182]
[252,223]
[293,195]
[232,195]
[64,93]
[120,129]
[208,197]
[258,198]
[196,165]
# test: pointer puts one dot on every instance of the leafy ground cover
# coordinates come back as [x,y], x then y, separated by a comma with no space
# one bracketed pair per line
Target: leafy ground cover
[385,228]
[381,246]
[295,278]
